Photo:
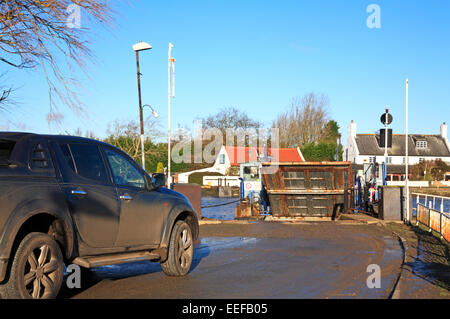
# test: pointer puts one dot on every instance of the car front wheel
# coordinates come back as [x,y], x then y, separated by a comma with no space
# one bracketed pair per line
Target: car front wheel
[181,251]
[37,269]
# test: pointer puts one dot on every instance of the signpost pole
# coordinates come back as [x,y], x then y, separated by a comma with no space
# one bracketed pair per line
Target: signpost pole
[408,215]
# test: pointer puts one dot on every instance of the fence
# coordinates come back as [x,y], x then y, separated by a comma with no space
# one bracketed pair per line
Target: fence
[232,181]
[439,203]
[438,221]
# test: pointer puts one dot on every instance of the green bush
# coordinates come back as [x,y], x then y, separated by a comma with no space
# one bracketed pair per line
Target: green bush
[321,152]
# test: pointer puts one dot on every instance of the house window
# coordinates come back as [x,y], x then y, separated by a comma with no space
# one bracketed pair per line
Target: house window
[421,160]
[421,144]
[222,159]
[372,159]
[389,160]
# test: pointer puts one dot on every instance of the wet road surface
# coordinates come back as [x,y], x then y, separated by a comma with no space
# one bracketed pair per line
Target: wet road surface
[262,260]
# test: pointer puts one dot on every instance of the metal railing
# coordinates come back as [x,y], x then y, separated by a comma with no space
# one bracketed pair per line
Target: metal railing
[431,201]
[436,220]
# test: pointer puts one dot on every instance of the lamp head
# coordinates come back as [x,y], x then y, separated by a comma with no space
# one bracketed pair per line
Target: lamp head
[155,114]
[141,46]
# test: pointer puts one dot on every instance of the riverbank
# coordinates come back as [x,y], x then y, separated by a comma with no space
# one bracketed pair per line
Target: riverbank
[426,272]
[438,191]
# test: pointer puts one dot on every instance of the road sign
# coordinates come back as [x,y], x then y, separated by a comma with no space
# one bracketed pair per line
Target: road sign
[389,118]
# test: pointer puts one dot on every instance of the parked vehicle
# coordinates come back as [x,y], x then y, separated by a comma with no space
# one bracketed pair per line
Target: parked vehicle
[71,200]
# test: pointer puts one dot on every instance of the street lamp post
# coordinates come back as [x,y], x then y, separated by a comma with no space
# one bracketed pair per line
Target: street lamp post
[141,46]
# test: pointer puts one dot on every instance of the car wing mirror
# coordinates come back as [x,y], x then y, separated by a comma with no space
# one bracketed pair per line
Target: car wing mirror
[158,180]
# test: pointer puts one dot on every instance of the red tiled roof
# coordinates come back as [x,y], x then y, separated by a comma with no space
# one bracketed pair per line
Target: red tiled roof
[238,155]
[283,155]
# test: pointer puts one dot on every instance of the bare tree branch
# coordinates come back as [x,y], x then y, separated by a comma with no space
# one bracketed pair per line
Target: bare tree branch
[126,135]
[305,122]
[6,98]
[37,32]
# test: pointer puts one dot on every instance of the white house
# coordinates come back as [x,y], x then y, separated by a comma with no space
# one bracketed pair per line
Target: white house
[365,148]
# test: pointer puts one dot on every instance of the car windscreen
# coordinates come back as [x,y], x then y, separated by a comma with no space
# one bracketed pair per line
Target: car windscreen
[6,148]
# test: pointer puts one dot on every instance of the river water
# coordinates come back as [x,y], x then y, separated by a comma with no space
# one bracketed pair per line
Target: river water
[225,212]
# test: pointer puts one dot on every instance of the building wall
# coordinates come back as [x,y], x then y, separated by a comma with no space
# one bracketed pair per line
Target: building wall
[232,181]
[410,183]
[395,160]
[351,149]
[222,167]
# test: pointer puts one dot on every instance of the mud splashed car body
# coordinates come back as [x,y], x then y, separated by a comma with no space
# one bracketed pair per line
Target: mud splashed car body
[74,200]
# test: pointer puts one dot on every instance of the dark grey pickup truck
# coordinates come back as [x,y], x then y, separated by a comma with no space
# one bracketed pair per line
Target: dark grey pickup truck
[70,200]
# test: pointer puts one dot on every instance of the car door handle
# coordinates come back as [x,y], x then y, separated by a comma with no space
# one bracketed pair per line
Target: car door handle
[126,197]
[78,192]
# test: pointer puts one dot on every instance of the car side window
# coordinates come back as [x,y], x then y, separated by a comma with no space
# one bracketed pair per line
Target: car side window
[6,148]
[67,156]
[123,171]
[40,158]
[86,161]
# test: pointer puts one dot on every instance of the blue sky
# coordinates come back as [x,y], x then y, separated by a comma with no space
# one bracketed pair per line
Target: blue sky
[256,56]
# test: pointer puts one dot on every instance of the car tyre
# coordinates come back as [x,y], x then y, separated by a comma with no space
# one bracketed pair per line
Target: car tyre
[37,269]
[181,251]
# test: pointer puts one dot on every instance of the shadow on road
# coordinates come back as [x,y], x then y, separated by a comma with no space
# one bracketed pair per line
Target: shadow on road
[91,277]
[433,259]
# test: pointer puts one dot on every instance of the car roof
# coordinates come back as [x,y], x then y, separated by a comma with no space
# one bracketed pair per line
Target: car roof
[21,136]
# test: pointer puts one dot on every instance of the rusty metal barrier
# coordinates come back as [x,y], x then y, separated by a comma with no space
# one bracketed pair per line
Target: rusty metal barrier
[435,220]
[309,189]
[445,227]
[423,214]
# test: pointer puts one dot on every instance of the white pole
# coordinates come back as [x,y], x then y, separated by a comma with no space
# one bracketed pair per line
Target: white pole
[169,177]
[386,135]
[408,219]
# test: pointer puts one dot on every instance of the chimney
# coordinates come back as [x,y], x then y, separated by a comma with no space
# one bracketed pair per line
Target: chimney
[352,129]
[444,131]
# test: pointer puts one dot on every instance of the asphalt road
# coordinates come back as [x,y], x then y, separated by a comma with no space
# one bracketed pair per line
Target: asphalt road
[262,260]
